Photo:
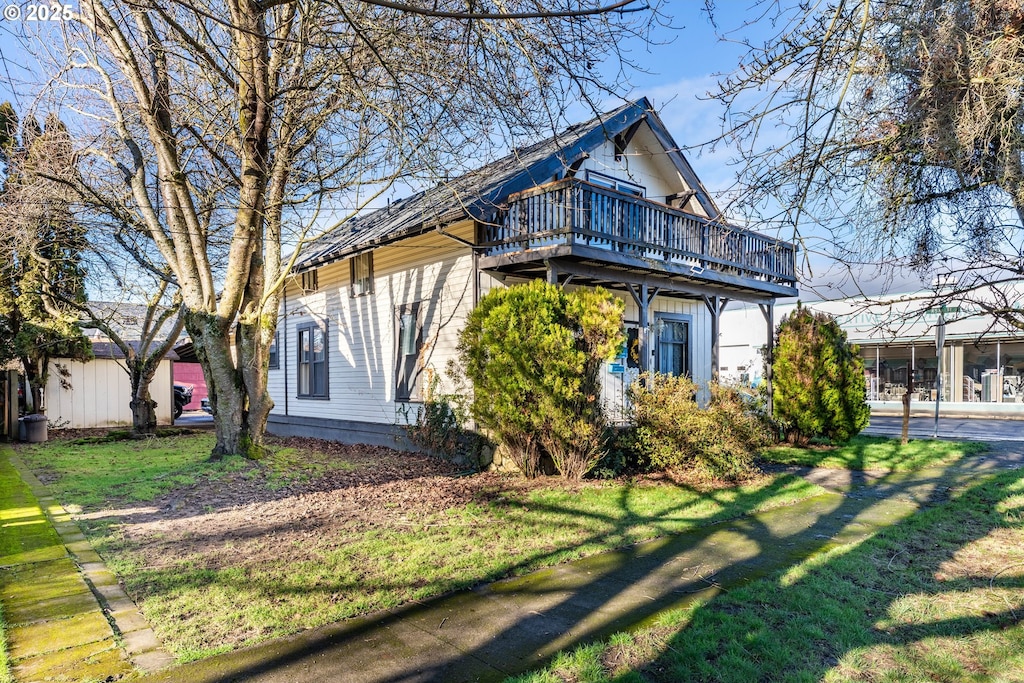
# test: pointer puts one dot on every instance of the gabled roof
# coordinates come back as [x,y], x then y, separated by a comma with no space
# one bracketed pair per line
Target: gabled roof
[476,194]
[110,350]
[126,319]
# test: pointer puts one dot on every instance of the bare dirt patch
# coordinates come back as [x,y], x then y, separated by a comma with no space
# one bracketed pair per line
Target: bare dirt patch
[247,517]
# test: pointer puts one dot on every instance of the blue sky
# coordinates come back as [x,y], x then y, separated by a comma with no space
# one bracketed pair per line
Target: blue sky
[681,66]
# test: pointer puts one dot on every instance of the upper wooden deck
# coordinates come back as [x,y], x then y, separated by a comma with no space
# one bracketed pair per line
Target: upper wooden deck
[595,227]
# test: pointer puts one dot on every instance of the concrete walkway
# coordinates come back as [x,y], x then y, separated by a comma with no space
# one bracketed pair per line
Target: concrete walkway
[66,617]
[516,625]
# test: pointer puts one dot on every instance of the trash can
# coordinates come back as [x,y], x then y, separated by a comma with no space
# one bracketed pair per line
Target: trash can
[35,428]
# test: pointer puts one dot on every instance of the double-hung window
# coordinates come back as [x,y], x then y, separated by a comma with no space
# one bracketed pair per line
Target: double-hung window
[312,362]
[408,334]
[362,274]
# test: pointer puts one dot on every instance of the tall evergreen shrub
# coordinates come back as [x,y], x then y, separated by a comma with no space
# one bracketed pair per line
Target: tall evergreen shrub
[534,353]
[819,387]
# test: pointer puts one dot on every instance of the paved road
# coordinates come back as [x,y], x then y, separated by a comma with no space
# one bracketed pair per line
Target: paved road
[975,429]
[194,418]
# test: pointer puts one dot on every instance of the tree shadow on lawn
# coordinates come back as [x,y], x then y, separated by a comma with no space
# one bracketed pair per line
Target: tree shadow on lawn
[850,612]
[593,598]
[336,593]
[588,530]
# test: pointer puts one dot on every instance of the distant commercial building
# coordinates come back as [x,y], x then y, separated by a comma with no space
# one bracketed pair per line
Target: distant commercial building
[982,358]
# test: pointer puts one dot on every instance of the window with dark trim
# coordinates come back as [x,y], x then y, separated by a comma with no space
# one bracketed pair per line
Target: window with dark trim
[309,281]
[274,357]
[362,274]
[409,337]
[311,381]
[673,345]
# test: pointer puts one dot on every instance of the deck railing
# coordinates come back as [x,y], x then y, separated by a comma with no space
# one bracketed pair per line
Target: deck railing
[576,212]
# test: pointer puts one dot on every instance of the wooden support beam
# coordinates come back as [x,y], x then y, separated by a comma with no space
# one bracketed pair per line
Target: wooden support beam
[644,296]
[715,306]
[552,270]
[768,311]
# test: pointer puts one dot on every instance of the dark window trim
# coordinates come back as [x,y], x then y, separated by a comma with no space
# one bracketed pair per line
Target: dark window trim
[675,318]
[414,392]
[274,353]
[326,361]
[368,255]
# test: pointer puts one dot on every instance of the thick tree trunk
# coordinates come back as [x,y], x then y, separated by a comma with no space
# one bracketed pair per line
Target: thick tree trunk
[35,376]
[253,345]
[140,374]
[239,430]
[143,414]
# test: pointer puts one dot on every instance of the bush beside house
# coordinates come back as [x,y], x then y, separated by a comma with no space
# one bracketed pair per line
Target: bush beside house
[533,353]
[673,431]
[819,387]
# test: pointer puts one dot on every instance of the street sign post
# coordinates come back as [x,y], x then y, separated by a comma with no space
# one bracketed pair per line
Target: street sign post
[940,341]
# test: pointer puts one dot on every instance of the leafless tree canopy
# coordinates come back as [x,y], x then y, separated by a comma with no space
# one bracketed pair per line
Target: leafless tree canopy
[897,127]
[226,134]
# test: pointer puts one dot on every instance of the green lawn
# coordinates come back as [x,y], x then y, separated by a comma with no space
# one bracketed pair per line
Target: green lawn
[876,453]
[88,474]
[235,589]
[936,597]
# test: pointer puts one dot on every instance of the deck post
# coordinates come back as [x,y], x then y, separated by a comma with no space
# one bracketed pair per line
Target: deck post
[715,305]
[552,271]
[643,295]
[645,330]
[768,311]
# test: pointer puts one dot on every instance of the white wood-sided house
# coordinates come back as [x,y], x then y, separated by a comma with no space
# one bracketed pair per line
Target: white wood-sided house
[372,315]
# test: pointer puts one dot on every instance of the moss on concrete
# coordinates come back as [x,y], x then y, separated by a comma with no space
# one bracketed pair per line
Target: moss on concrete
[53,628]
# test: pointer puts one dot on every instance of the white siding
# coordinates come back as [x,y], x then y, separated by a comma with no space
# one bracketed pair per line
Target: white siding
[644,163]
[433,270]
[100,394]
[438,273]
[615,385]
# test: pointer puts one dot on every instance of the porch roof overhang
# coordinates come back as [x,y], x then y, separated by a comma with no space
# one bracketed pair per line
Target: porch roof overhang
[619,271]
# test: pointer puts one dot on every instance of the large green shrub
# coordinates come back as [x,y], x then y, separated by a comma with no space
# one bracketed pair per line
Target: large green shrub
[719,440]
[533,353]
[818,388]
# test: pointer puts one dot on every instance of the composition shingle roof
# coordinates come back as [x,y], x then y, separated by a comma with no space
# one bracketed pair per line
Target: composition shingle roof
[477,193]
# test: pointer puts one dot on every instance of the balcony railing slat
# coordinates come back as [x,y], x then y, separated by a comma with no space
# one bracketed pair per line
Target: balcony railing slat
[573,211]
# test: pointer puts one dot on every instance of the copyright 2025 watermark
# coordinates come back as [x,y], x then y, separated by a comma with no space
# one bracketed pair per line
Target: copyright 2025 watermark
[36,11]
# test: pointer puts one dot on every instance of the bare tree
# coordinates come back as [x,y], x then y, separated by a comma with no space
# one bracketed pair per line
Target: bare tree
[896,130]
[229,134]
[144,342]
